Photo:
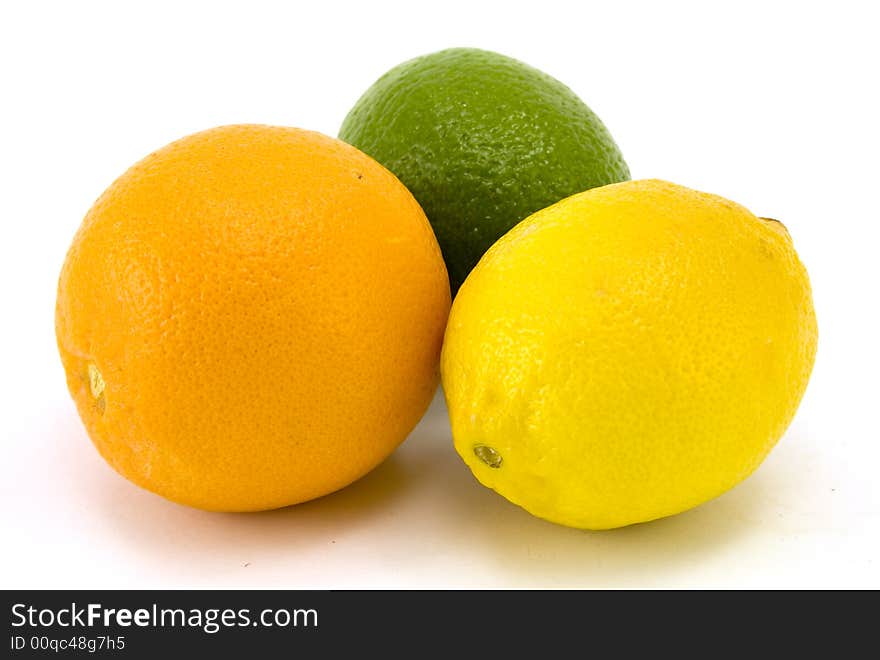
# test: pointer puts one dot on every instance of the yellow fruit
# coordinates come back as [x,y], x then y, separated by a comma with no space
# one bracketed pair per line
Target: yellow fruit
[251,317]
[628,353]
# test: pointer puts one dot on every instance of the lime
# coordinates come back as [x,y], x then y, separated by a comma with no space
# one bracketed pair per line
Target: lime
[482,141]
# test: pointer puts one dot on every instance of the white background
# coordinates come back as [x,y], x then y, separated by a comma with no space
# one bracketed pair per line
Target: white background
[771,104]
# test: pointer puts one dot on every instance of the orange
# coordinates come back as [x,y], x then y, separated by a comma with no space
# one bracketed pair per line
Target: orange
[252,317]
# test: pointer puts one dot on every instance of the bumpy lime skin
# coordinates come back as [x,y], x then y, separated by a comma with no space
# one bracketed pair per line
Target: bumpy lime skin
[482,141]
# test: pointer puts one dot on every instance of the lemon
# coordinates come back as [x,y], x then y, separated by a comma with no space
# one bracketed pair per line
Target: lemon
[628,353]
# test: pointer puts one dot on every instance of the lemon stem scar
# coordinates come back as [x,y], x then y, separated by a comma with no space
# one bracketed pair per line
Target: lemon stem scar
[778,222]
[488,455]
[96,385]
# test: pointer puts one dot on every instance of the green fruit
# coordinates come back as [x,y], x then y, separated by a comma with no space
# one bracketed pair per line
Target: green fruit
[482,141]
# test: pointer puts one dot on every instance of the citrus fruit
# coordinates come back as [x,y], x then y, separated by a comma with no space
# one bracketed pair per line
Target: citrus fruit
[628,353]
[251,317]
[482,141]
